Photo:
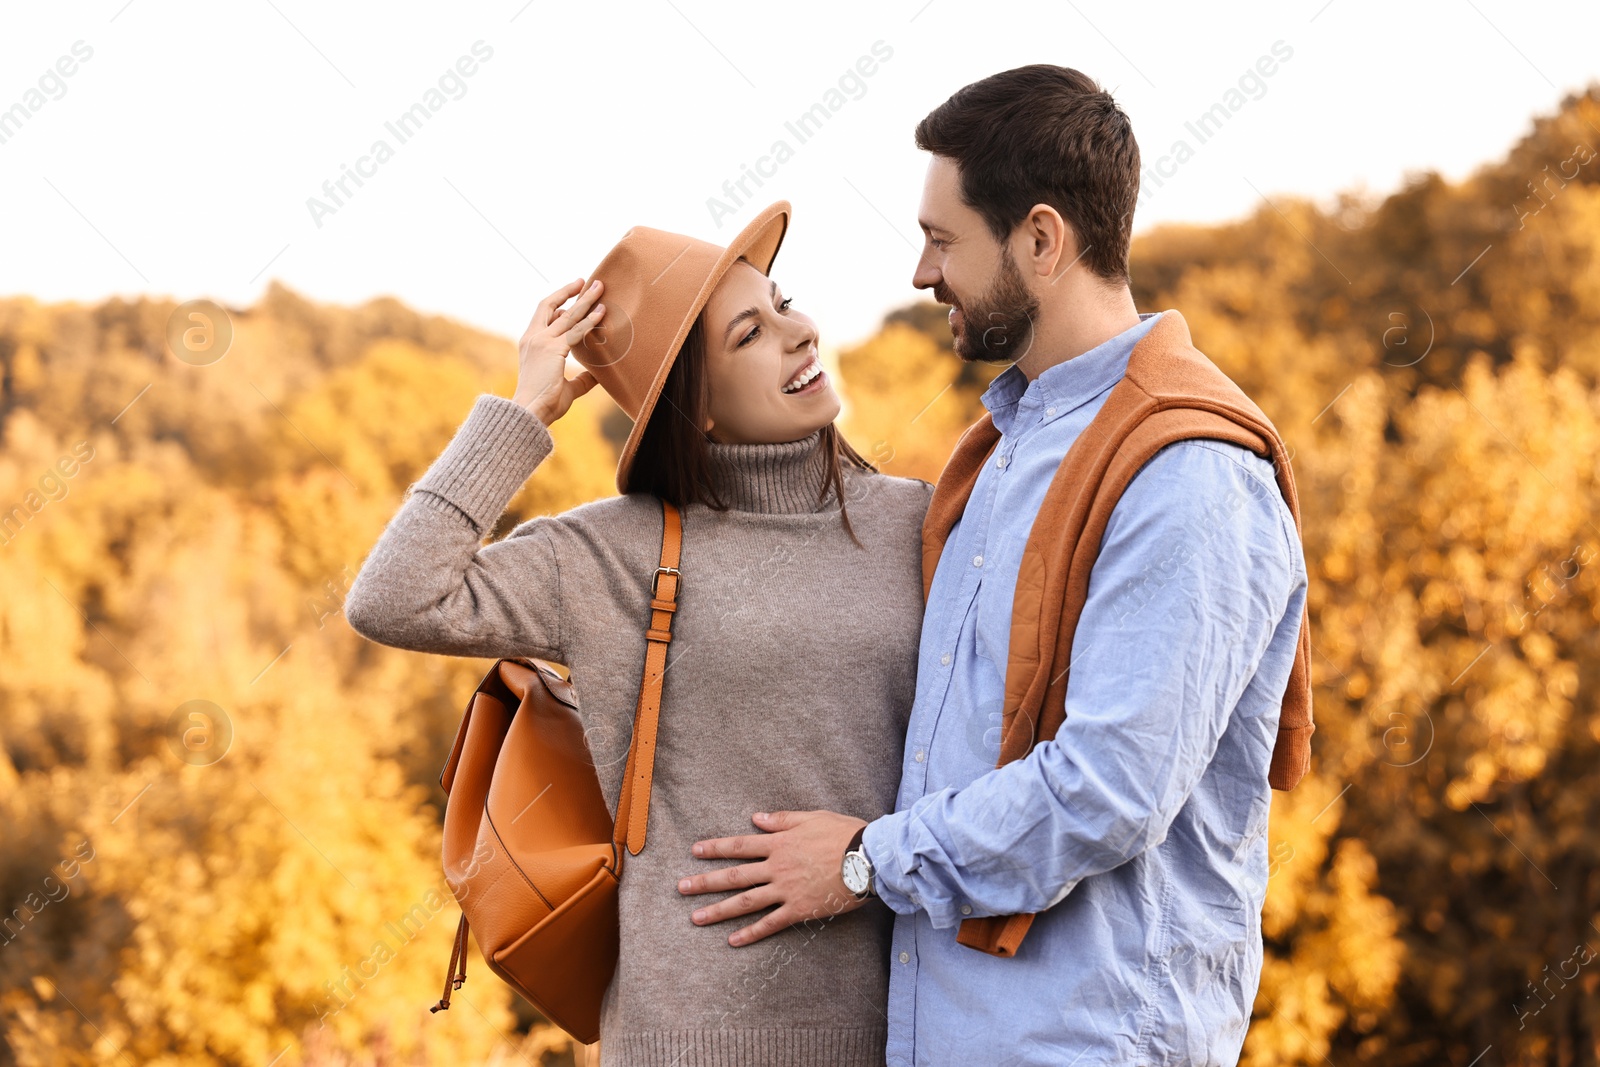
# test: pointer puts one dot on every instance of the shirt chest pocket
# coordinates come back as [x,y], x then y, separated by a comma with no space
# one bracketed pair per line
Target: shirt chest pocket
[991,614]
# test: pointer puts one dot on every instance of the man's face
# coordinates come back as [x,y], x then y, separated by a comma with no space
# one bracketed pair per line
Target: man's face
[991,307]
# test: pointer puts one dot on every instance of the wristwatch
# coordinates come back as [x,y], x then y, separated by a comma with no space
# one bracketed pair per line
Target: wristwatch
[857,869]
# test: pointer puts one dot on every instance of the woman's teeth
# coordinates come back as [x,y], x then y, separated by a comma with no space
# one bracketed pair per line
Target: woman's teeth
[801,380]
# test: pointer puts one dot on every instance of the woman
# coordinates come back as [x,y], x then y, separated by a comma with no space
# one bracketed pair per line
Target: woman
[793,657]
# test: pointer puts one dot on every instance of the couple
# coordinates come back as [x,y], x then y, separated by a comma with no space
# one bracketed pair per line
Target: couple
[860,777]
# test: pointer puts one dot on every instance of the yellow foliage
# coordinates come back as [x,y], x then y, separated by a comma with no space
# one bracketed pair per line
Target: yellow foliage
[910,400]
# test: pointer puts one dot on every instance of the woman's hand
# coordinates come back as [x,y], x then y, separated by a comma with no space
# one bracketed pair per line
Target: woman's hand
[542,383]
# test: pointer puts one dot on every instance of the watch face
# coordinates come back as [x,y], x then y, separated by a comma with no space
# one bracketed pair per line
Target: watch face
[855,872]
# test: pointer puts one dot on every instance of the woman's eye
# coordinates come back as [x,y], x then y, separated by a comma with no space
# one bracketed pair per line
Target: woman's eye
[782,306]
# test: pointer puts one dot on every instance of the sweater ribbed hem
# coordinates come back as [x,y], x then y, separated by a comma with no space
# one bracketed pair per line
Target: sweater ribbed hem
[491,455]
[766,1046]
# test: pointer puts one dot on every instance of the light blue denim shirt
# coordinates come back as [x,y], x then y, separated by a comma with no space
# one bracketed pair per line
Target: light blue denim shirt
[1140,830]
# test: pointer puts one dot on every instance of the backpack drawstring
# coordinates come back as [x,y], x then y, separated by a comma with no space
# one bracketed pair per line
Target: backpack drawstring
[456,973]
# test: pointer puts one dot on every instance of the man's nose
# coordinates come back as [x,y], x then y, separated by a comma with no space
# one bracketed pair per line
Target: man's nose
[926,276]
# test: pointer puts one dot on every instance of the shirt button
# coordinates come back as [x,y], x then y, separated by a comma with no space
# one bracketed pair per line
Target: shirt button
[905,957]
[920,755]
[1001,463]
[966,909]
[1049,411]
[945,659]
[977,561]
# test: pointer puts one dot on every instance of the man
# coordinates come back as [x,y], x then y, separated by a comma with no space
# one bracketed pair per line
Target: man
[1136,835]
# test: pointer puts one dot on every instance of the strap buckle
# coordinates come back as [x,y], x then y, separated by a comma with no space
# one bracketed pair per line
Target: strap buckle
[656,580]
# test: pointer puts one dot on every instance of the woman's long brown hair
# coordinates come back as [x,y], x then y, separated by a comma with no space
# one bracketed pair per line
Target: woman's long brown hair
[673,461]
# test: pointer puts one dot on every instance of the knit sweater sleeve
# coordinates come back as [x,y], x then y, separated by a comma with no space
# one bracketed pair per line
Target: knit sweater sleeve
[430,584]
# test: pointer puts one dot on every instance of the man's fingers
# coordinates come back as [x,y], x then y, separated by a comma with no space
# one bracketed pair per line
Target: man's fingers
[765,926]
[761,896]
[748,846]
[740,877]
[777,820]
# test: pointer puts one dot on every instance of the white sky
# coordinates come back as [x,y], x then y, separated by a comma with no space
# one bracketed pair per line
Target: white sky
[180,157]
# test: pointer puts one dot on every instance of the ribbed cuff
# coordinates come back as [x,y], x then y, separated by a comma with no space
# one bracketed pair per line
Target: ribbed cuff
[495,450]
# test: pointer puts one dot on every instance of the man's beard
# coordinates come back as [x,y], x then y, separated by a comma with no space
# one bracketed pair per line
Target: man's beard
[998,326]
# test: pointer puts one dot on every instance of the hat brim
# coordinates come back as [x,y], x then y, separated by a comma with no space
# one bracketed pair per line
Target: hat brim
[758,243]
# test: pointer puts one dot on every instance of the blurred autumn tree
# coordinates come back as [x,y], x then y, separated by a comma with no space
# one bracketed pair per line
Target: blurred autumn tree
[1432,358]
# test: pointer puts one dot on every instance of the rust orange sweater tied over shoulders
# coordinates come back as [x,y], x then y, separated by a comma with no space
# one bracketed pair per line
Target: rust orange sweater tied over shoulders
[1170,392]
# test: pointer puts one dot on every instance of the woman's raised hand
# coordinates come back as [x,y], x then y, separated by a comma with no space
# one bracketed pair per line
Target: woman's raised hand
[542,383]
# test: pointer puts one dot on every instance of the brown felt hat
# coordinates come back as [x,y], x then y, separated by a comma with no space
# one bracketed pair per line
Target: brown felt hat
[656,284]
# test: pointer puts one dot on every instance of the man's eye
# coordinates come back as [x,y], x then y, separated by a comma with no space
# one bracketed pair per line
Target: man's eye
[937,242]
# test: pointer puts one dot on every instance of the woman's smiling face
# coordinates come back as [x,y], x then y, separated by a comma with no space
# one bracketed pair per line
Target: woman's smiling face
[765,378]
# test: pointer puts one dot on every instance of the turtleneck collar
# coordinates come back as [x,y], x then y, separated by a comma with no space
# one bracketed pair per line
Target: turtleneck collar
[780,479]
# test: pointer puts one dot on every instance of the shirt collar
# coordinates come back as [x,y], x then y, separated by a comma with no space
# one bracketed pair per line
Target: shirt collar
[1066,385]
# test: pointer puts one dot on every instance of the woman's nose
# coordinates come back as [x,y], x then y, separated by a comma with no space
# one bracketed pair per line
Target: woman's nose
[807,335]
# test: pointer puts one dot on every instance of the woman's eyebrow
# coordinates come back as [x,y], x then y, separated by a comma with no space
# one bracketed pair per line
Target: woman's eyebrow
[745,314]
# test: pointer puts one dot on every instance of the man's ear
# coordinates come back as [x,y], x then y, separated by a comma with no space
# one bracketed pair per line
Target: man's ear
[1052,246]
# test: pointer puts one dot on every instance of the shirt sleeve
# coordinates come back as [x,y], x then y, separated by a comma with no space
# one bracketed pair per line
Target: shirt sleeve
[430,584]
[1196,569]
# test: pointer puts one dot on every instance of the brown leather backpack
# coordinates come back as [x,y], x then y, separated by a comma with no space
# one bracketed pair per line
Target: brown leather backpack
[530,851]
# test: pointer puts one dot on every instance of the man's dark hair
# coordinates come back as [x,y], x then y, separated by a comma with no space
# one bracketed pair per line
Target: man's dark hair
[1043,134]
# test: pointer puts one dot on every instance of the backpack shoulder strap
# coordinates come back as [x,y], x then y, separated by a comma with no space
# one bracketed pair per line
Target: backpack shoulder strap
[633,807]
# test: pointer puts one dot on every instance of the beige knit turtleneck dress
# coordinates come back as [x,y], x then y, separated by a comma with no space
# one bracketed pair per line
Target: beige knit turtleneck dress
[790,680]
